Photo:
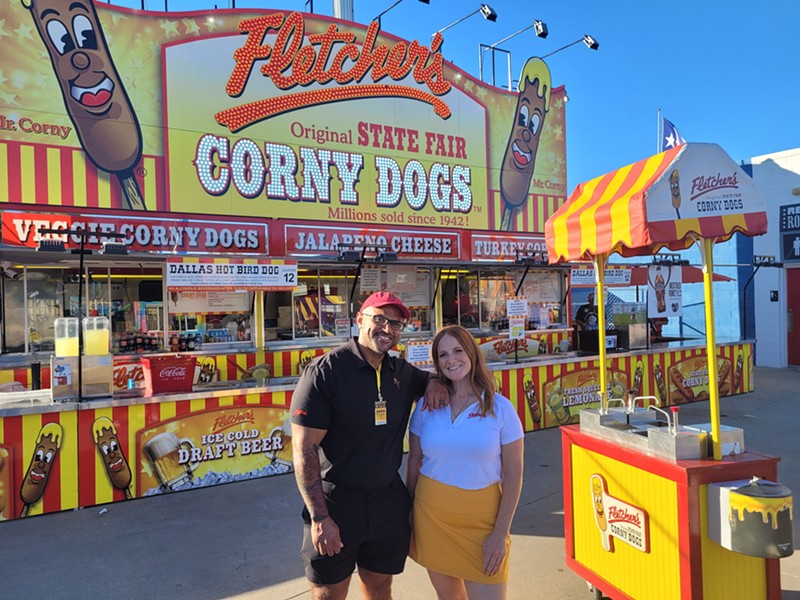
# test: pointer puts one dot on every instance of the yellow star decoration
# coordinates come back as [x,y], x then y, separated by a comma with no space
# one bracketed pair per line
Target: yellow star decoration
[24,32]
[211,24]
[558,103]
[3,32]
[137,64]
[170,28]
[116,18]
[3,78]
[558,131]
[190,26]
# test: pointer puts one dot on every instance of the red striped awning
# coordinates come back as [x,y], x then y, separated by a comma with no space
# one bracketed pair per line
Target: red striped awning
[663,201]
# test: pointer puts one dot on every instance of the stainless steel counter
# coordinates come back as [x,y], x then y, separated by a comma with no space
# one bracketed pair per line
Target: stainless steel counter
[40,401]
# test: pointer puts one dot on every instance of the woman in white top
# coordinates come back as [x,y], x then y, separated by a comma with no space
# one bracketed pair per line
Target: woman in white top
[465,475]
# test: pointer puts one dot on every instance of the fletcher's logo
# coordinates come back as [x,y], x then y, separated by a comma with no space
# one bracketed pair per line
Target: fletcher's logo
[504,347]
[315,62]
[228,420]
[705,184]
[618,519]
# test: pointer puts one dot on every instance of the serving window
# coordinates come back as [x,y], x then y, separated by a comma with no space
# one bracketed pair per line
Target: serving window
[37,296]
[476,298]
[320,305]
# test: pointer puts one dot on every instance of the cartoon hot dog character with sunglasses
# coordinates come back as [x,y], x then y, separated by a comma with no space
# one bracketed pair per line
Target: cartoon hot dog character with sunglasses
[516,173]
[48,443]
[92,89]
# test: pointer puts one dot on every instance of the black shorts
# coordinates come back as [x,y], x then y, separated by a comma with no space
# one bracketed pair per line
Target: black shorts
[375,531]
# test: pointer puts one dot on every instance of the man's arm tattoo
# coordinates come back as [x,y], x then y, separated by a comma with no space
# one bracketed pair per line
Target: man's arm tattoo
[309,478]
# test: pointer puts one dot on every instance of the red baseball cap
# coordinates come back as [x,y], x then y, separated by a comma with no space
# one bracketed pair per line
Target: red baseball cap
[381,299]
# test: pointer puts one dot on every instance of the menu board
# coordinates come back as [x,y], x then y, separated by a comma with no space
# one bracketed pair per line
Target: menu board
[194,303]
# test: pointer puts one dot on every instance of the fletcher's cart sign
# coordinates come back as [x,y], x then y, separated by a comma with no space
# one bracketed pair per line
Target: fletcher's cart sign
[268,114]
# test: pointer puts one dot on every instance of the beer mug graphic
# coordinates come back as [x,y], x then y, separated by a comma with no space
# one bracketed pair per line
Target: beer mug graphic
[163,451]
[282,455]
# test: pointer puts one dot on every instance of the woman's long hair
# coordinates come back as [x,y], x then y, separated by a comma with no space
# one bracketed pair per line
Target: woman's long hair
[480,377]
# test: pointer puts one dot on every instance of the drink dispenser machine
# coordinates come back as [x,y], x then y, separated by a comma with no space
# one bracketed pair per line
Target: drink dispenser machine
[752,517]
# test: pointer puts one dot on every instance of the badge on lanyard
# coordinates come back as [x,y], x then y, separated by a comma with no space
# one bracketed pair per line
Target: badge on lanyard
[380,403]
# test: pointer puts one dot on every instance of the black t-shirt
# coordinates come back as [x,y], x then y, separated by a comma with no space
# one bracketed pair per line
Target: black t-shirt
[588,314]
[337,392]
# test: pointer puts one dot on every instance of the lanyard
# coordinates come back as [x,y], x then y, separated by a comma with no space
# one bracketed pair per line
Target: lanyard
[378,378]
[380,403]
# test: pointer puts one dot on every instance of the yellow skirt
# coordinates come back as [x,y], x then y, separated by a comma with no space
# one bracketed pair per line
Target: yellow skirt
[450,526]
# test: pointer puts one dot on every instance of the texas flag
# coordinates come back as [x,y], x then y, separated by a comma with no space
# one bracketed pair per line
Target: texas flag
[670,136]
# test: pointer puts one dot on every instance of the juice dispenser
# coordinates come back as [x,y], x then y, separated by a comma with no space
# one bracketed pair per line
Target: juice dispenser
[66,336]
[95,336]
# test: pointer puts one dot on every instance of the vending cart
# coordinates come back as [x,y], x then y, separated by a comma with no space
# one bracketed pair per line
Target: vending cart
[655,508]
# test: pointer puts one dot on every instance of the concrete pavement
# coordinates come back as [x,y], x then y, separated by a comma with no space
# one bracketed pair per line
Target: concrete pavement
[241,540]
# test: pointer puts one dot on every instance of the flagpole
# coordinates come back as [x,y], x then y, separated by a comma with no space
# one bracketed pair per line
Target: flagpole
[658,132]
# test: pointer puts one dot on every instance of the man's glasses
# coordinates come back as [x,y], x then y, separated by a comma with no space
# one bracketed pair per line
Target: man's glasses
[381,321]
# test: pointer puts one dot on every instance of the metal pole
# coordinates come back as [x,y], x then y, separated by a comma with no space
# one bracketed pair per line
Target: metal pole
[658,131]
[599,275]
[355,282]
[513,34]
[516,293]
[80,317]
[456,22]
[744,294]
[508,62]
[562,48]
[707,251]
[378,18]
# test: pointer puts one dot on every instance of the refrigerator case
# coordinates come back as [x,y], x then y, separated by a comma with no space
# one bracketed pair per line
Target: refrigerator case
[97,377]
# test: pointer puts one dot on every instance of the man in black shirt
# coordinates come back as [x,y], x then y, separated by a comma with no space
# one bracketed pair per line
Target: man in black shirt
[586,317]
[349,416]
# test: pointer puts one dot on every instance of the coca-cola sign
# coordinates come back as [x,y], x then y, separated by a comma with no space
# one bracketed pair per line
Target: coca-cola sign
[173,373]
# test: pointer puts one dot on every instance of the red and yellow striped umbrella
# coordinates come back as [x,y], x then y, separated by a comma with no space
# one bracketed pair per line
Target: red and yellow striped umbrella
[690,193]
[692,190]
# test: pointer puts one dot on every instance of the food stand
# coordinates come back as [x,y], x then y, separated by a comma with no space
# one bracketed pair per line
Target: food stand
[423,183]
[643,506]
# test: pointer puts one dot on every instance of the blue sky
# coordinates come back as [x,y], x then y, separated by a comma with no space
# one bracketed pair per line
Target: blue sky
[721,71]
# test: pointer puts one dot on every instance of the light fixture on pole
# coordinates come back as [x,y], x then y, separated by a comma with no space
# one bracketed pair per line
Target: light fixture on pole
[539,27]
[486,11]
[590,42]
[378,18]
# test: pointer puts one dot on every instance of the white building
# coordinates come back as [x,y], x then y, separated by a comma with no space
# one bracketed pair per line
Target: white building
[776,291]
